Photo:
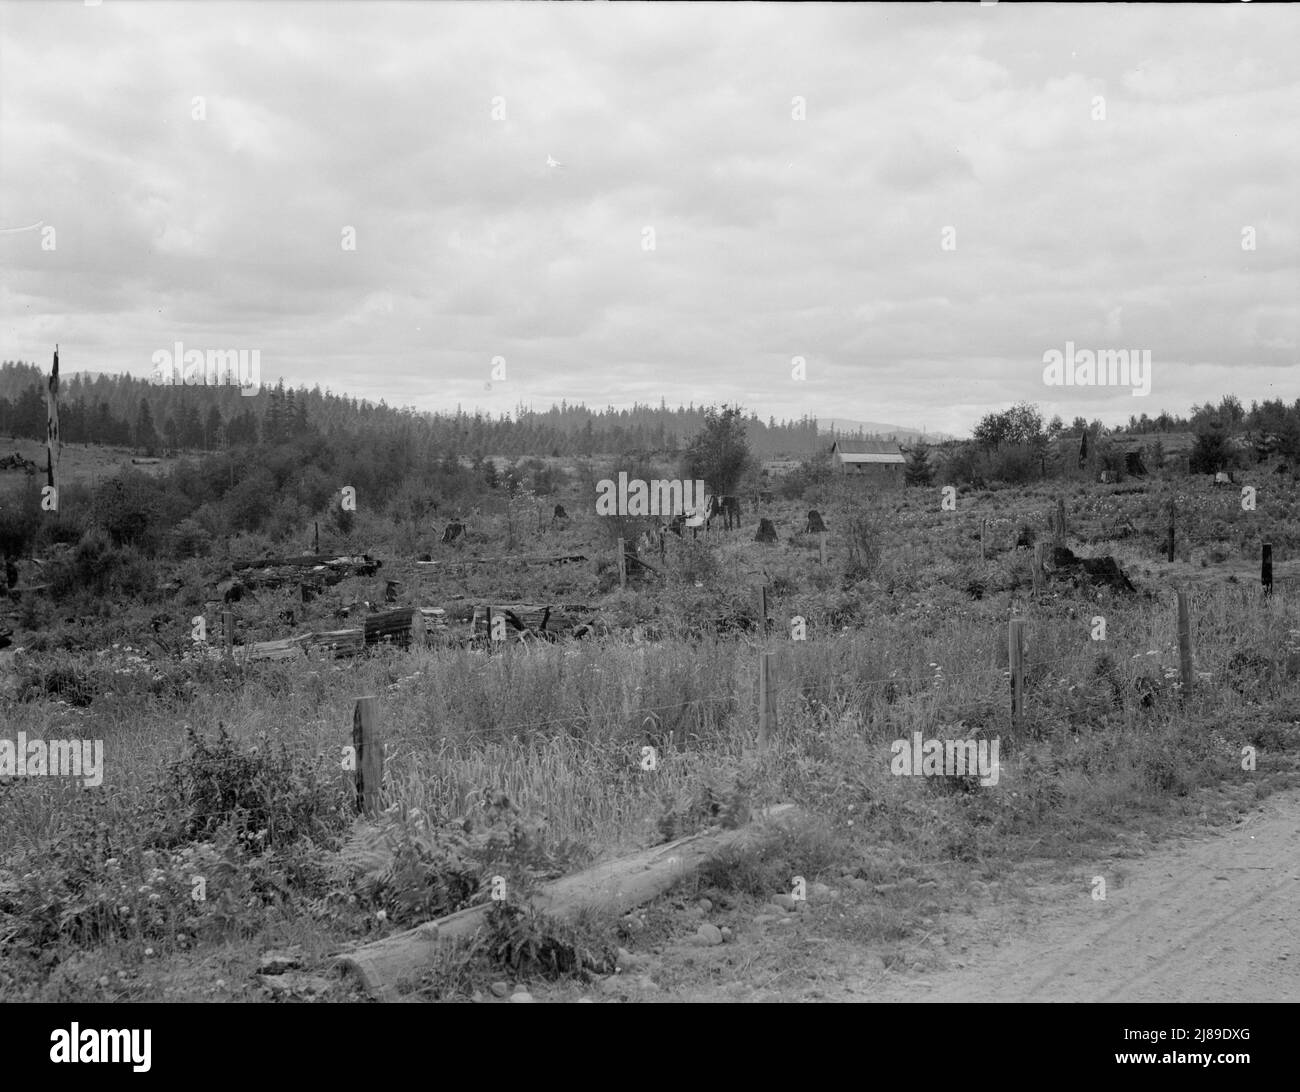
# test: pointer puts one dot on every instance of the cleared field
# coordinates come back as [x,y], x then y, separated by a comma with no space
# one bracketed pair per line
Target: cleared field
[528,760]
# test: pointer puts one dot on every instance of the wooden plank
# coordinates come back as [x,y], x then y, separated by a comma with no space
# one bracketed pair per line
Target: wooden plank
[368,754]
[1016,654]
[1184,643]
[766,702]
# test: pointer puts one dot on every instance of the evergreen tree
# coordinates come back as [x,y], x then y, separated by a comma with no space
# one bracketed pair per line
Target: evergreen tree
[918,470]
[190,427]
[212,429]
[273,422]
[146,435]
[1210,453]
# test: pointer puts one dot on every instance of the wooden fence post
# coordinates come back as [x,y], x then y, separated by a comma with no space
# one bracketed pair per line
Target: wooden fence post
[822,546]
[622,565]
[1266,568]
[766,701]
[1038,568]
[368,754]
[763,626]
[1016,655]
[1184,643]
[1172,513]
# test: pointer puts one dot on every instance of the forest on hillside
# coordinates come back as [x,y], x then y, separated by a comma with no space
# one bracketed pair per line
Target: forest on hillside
[157,419]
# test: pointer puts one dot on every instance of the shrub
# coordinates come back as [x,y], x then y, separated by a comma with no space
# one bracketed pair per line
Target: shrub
[191,539]
[100,569]
[271,797]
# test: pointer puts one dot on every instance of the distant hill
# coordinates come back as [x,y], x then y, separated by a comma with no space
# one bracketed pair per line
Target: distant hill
[879,428]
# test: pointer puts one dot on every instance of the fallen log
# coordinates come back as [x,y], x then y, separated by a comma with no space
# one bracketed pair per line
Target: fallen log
[540,559]
[311,561]
[617,885]
[320,570]
[338,642]
[290,648]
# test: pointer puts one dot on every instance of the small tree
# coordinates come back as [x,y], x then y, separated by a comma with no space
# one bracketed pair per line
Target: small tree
[1210,454]
[719,454]
[918,470]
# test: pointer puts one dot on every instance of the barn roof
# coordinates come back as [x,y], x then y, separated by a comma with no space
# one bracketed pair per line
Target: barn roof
[867,451]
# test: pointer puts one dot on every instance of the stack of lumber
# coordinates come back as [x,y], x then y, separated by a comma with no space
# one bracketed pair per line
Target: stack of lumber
[394,627]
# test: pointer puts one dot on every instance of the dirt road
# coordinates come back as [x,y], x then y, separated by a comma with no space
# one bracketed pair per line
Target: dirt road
[1215,918]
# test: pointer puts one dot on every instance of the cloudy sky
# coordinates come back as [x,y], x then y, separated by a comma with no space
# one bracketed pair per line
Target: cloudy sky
[919,201]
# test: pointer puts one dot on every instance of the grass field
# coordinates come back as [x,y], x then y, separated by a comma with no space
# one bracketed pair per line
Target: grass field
[906,631]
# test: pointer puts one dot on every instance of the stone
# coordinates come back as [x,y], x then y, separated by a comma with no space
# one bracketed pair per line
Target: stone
[277,962]
[521,998]
[629,962]
[709,934]
[499,989]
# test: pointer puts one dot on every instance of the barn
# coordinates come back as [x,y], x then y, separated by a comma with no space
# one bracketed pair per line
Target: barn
[879,461]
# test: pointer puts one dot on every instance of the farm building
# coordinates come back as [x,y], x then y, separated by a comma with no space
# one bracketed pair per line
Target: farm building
[880,461]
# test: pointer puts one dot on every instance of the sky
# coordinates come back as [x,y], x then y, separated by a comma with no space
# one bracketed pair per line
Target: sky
[875,212]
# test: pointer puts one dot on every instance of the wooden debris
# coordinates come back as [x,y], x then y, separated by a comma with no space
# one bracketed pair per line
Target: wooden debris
[1103,571]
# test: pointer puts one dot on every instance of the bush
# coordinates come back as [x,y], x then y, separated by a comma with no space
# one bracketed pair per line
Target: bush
[271,797]
[126,507]
[100,569]
[191,539]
